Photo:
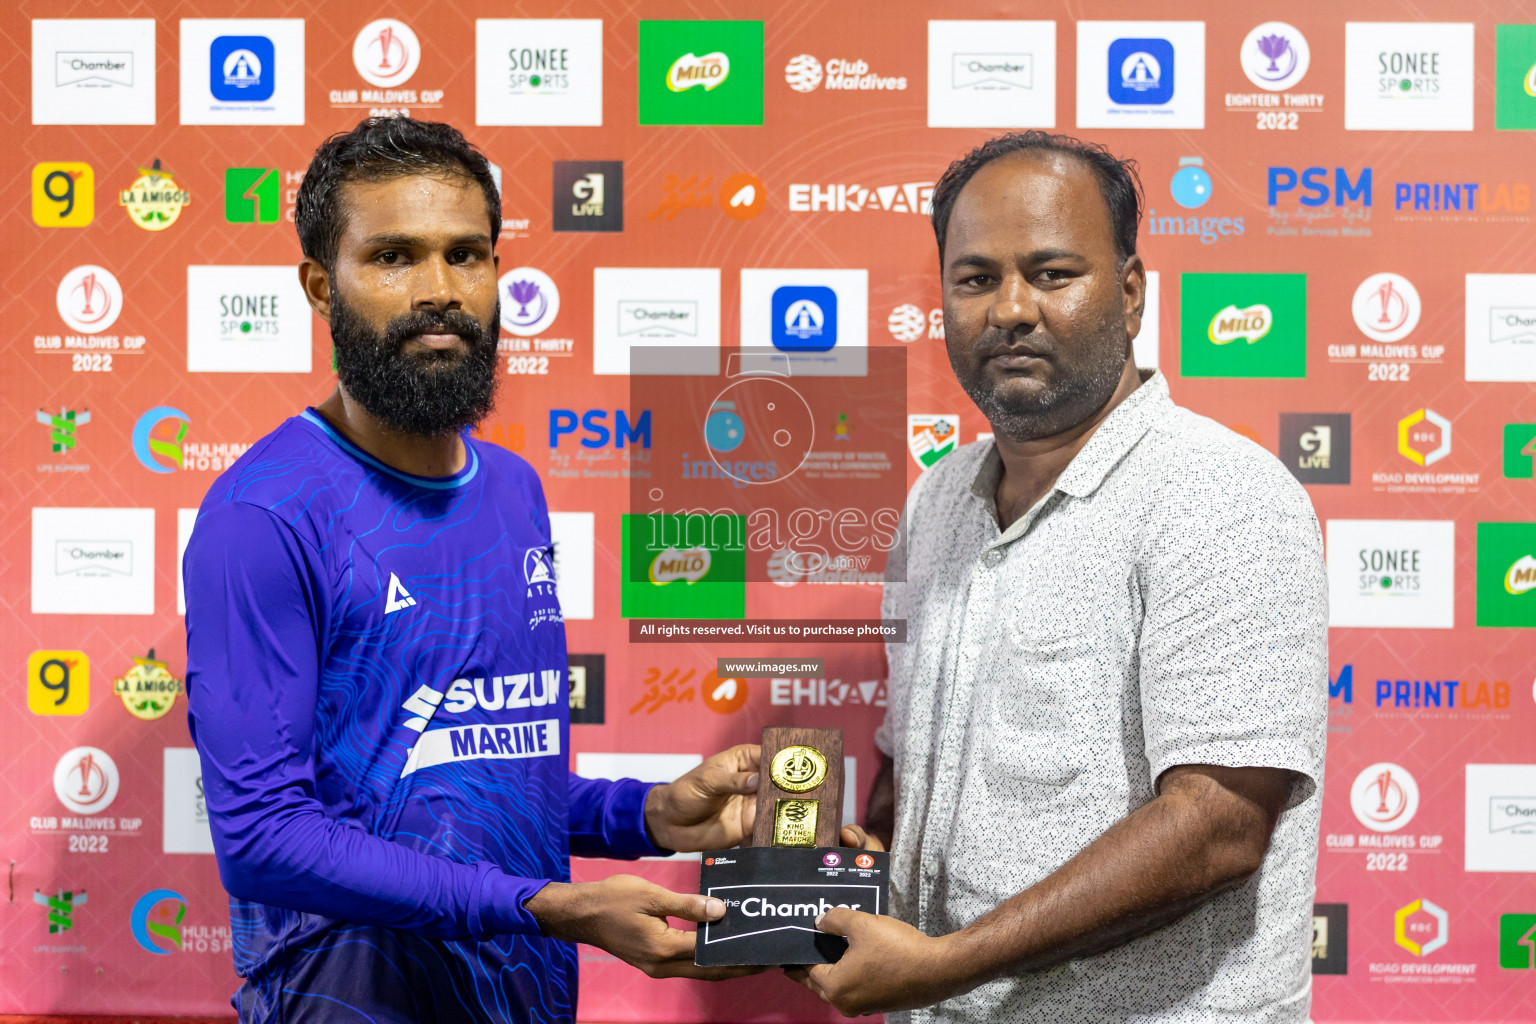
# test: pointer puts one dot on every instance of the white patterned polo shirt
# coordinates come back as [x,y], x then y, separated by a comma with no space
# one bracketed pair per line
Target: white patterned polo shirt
[1164,604]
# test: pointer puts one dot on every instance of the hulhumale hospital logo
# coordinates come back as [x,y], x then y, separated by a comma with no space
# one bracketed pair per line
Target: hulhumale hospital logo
[161,451]
[156,921]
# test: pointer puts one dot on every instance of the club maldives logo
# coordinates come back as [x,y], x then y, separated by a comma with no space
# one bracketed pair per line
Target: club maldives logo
[930,437]
[1275,56]
[1384,797]
[1386,307]
[161,452]
[804,73]
[907,322]
[85,780]
[529,301]
[89,299]
[154,201]
[162,935]
[61,908]
[386,53]
[1421,927]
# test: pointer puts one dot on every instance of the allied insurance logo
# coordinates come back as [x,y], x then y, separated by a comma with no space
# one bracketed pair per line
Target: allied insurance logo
[1384,797]
[701,72]
[386,53]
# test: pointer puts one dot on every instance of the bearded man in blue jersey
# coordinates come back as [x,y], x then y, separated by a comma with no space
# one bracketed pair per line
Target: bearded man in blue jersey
[376,657]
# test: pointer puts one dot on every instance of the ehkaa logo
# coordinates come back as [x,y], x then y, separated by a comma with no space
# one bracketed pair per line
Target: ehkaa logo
[398,597]
[539,576]
[1384,797]
[931,437]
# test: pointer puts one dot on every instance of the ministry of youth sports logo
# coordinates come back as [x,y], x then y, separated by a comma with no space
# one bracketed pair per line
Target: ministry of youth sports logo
[1384,797]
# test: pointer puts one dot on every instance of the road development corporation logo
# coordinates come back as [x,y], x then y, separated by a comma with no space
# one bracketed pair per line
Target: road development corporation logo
[1386,307]
[1506,574]
[1275,56]
[1424,437]
[85,780]
[386,53]
[251,195]
[1421,927]
[1384,797]
[930,437]
[701,72]
[89,299]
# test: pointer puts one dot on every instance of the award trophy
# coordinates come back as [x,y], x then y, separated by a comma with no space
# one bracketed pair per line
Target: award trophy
[794,871]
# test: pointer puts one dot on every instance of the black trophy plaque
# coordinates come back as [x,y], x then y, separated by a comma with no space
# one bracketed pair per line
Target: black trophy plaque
[794,871]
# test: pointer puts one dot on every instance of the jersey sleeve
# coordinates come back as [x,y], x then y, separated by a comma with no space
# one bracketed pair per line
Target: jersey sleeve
[607,819]
[256,599]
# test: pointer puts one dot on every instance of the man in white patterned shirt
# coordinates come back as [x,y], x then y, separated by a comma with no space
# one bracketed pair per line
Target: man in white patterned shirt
[1106,728]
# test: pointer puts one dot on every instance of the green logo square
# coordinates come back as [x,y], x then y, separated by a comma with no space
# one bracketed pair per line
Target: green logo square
[1514,77]
[1506,574]
[683,567]
[251,195]
[1519,451]
[701,72]
[1517,941]
[1243,325]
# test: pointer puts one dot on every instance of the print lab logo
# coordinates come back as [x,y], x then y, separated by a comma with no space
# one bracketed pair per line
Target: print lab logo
[1384,797]
[386,53]
[242,69]
[1421,927]
[1386,307]
[89,299]
[85,780]
[589,195]
[804,73]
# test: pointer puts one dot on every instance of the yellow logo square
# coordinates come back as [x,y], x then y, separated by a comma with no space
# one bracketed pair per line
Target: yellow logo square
[58,682]
[63,195]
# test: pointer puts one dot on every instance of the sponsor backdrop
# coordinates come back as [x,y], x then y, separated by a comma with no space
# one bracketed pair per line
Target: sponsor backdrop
[1340,231]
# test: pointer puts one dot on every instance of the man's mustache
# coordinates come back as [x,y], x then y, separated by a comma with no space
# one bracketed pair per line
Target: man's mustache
[403,328]
[995,341]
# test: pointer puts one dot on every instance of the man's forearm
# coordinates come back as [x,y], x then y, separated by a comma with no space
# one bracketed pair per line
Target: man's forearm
[1199,838]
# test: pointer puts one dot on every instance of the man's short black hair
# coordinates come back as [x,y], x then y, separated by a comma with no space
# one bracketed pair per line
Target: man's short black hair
[1118,181]
[378,149]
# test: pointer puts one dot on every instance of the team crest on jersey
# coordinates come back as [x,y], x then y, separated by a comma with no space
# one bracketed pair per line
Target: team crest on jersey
[398,597]
[539,574]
